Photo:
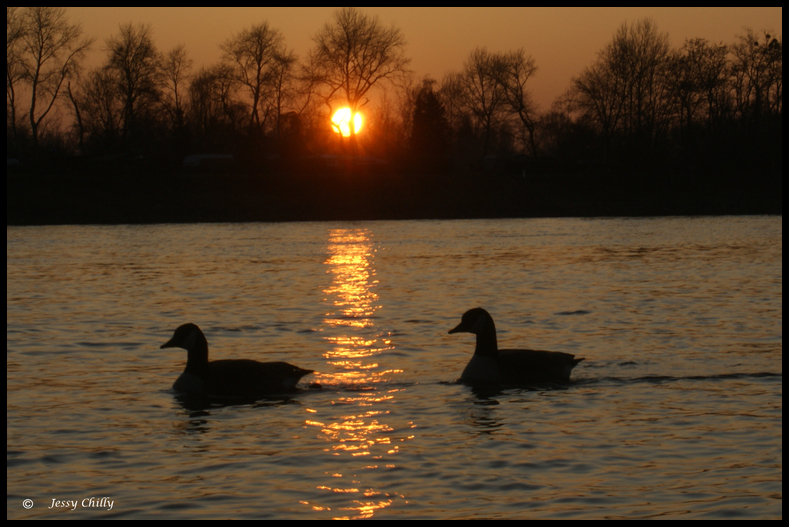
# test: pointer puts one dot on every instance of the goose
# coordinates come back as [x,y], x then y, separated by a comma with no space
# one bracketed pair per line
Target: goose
[509,366]
[234,378]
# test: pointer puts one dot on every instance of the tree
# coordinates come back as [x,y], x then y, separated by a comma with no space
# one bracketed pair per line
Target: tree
[135,60]
[283,88]
[627,91]
[641,56]
[79,122]
[452,98]
[757,76]
[175,70]
[98,107]
[352,54]
[257,57]
[757,91]
[44,50]
[483,95]
[15,72]
[512,71]
[490,96]
[699,73]
[429,133]
[214,113]
[599,94]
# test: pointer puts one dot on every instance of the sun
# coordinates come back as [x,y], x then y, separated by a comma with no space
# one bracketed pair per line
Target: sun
[341,122]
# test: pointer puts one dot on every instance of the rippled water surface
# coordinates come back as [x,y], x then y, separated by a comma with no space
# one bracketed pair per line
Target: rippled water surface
[675,413]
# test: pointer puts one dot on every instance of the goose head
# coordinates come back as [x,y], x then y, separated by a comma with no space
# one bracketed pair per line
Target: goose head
[474,321]
[479,322]
[190,338]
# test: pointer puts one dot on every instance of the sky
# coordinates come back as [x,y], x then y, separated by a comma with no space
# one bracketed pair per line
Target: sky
[562,40]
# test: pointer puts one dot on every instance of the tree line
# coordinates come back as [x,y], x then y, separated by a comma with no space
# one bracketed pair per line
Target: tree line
[640,103]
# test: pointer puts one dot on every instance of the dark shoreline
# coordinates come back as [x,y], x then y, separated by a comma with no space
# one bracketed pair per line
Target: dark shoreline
[181,197]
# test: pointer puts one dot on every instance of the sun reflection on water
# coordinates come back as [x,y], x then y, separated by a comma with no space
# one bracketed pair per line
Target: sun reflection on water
[363,432]
[352,303]
[350,261]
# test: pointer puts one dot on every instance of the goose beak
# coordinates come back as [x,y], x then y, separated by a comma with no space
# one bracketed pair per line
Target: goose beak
[459,328]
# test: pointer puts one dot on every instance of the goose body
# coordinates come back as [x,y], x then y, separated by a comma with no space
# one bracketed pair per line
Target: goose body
[234,378]
[509,366]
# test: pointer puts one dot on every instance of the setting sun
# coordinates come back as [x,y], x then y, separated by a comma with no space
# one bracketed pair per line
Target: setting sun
[342,119]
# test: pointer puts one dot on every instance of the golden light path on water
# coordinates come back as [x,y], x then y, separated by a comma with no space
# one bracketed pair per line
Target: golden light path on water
[355,343]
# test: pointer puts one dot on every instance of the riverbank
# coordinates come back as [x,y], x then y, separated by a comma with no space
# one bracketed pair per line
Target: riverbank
[129,197]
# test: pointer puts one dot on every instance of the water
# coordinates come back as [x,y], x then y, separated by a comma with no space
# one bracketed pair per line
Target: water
[676,412]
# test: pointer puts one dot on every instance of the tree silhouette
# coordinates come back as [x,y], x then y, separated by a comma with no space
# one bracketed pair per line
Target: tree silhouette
[430,130]
[512,71]
[176,66]
[482,94]
[257,56]
[134,60]
[757,76]
[352,54]
[43,50]
[214,114]
[627,91]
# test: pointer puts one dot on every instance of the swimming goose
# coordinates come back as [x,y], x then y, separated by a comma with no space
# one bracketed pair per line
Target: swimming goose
[237,378]
[509,366]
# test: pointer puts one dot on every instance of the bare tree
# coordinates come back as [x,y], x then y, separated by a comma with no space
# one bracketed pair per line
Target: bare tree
[176,66]
[699,78]
[429,137]
[44,50]
[483,95]
[214,112]
[79,123]
[352,54]
[757,75]
[14,70]
[452,98]
[628,89]
[256,56]
[133,56]
[490,95]
[512,71]
[599,94]
[98,103]
[283,85]
[641,55]
[389,124]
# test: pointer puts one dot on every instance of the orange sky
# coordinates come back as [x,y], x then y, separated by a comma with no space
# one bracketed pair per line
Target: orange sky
[562,40]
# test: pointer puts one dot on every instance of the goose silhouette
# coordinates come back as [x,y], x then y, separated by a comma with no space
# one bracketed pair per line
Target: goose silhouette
[235,378]
[509,366]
